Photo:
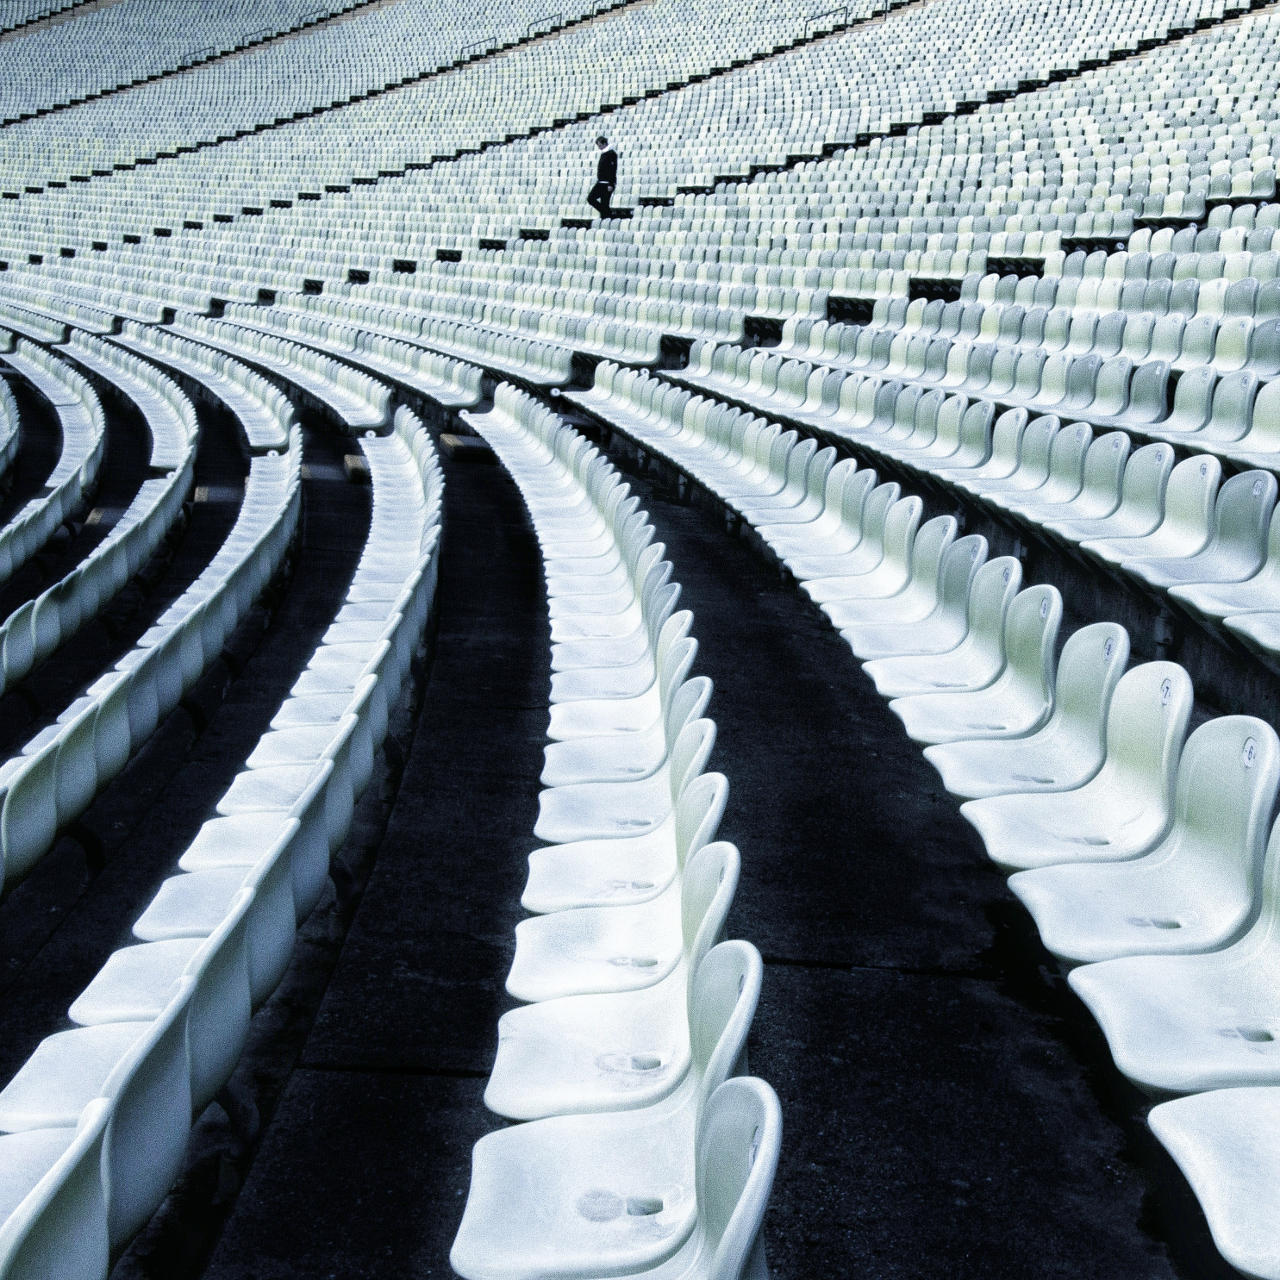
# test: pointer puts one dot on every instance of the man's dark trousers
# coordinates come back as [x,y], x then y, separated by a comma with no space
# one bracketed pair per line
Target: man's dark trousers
[599,196]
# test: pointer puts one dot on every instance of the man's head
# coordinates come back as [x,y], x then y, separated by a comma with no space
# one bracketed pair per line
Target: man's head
[602,143]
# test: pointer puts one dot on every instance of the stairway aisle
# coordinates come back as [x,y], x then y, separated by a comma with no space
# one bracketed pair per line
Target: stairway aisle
[363,1171]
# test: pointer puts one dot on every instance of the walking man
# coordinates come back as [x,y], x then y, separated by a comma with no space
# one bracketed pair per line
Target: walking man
[606,179]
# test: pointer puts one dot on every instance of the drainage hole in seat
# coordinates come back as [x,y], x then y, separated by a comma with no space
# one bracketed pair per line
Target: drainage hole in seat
[1255,1035]
[643,1206]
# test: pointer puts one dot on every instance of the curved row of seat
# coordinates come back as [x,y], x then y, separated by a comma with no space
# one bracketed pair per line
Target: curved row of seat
[1141,852]
[1153,274]
[170,418]
[1225,327]
[24,322]
[73,476]
[106,290]
[28,302]
[637,1157]
[360,401]
[1230,415]
[449,382]
[262,409]
[9,424]
[57,773]
[523,358]
[94,1125]
[602,319]
[36,628]
[1200,543]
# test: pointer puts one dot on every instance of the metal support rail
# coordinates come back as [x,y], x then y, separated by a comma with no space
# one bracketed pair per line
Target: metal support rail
[543,24]
[259,33]
[548,22]
[815,18]
[51,12]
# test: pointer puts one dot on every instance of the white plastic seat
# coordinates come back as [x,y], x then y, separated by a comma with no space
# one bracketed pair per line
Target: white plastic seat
[941,626]
[53,1205]
[1186,1023]
[137,982]
[963,437]
[600,810]
[1236,546]
[1068,750]
[568,626]
[1260,631]
[1258,593]
[1030,467]
[826,508]
[570,579]
[977,656]
[587,599]
[614,709]
[633,869]
[1000,460]
[1196,889]
[1099,492]
[625,947]
[610,1192]
[739,1140]
[611,1052]
[197,904]
[622,680]
[619,757]
[28,814]
[276,787]
[801,499]
[142,1067]
[1185,526]
[1141,504]
[885,570]
[866,505]
[1124,808]
[1063,481]
[1226,1141]
[243,838]
[918,596]
[1260,444]
[655,608]
[1017,701]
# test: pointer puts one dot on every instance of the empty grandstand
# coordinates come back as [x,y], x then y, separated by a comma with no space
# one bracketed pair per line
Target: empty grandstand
[733,739]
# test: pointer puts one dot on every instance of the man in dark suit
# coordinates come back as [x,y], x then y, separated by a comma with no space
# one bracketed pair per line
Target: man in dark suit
[606,179]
